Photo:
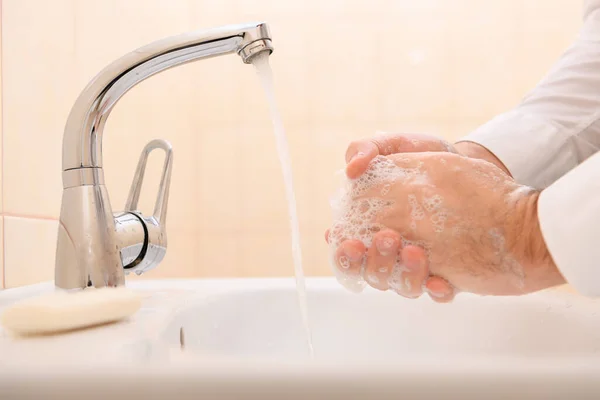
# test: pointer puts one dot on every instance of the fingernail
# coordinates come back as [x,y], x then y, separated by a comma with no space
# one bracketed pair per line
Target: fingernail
[438,295]
[439,292]
[412,265]
[357,155]
[373,279]
[344,262]
[386,246]
[353,255]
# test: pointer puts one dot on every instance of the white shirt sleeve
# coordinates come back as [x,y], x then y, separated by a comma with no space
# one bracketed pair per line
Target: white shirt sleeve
[550,141]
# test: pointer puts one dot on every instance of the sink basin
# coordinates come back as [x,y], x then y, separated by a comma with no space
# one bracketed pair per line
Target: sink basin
[244,339]
[262,321]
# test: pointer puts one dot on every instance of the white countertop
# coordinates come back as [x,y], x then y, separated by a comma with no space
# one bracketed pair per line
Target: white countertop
[129,359]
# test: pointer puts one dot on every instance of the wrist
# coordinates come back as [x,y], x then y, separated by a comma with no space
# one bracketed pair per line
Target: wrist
[529,246]
[474,150]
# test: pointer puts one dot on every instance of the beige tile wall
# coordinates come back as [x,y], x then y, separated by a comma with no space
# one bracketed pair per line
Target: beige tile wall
[343,70]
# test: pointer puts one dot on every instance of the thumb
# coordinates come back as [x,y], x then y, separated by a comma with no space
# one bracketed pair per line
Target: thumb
[358,156]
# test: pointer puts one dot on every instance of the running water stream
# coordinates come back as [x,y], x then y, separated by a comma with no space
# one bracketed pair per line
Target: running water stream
[263,69]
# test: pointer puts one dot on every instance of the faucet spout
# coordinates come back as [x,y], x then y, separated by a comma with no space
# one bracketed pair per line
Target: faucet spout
[96,247]
[82,144]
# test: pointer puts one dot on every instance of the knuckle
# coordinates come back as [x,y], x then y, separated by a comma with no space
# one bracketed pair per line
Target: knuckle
[384,145]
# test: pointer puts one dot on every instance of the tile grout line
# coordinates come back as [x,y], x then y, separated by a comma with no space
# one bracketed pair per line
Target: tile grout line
[28,216]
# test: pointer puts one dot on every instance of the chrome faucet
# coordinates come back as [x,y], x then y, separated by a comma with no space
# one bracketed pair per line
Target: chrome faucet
[96,247]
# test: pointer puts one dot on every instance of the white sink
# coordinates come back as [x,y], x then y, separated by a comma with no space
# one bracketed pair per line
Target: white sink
[261,319]
[244,339]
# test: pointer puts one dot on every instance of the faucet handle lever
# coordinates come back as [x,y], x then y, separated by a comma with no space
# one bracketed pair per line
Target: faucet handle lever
[162,199]
[146,253]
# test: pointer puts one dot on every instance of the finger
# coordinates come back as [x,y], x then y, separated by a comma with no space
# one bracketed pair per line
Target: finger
[443,300]
[415,272]
[358,156]
[390,143]
[381,258]
[327,236]
[349,257]
[360,153]
[440,290]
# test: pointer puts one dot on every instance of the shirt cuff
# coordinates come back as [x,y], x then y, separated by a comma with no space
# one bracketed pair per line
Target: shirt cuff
[569,217]
[535,151]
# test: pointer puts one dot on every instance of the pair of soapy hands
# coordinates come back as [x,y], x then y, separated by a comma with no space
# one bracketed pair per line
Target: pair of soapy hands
[490,243]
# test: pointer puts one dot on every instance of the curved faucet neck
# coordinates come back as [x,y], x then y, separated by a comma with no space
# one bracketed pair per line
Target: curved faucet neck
[82,141]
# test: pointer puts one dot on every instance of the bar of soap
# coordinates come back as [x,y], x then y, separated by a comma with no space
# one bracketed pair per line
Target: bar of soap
[65,311]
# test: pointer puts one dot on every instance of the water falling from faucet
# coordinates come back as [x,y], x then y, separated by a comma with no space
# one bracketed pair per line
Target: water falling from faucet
[261,62]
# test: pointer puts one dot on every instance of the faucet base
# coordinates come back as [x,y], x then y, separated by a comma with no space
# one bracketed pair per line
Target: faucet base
[87,253]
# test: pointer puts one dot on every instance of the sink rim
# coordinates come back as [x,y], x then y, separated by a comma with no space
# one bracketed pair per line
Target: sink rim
[539,378]
[192,290]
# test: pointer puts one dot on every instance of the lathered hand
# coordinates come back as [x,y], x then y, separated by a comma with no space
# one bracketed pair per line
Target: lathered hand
[476,225]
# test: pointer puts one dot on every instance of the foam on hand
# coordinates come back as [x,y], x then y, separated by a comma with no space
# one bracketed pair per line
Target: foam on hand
[357,216]
[396,186]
